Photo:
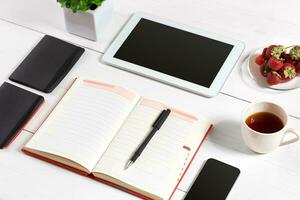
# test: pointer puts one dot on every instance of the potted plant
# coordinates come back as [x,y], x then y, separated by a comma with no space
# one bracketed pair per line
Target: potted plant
[87,18]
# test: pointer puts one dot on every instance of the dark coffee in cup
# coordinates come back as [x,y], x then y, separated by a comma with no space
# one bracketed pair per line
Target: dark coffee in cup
[264,122]
[264,127]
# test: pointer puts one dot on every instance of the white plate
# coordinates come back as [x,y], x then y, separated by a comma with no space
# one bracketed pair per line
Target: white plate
[254,72]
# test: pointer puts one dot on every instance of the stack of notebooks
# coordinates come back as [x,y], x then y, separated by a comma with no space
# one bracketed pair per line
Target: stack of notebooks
[97,126]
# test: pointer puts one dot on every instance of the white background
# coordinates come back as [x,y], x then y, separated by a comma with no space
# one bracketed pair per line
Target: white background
[257,23]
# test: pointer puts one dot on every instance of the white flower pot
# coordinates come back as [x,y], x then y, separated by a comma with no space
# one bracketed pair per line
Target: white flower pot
[90,24]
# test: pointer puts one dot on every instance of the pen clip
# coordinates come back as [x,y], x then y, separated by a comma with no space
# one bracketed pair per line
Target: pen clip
[161,118]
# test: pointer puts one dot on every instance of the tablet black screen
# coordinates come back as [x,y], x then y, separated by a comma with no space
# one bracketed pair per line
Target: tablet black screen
[175,52]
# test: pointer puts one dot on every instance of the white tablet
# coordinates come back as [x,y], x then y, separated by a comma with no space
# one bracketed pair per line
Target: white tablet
[181,56]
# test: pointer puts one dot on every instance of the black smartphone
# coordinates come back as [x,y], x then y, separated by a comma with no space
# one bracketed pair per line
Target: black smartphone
[214,182]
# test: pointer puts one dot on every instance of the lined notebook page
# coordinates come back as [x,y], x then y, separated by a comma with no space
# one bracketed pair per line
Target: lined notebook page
[164,155]
[83,124]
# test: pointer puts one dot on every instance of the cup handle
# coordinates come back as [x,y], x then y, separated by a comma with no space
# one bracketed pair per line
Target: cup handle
[293,131]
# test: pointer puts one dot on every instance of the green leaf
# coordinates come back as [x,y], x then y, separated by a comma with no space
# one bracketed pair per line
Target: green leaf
[79,5]
[295,53]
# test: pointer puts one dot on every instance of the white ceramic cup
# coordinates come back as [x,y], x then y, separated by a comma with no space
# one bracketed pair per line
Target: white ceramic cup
[266,142]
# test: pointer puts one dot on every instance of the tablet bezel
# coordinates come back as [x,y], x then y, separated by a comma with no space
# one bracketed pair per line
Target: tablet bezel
[218,81]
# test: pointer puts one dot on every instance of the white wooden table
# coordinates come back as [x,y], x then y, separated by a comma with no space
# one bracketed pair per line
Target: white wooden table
[272,176]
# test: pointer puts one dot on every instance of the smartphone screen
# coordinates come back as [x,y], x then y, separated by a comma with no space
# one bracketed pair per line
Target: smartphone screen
[214,182]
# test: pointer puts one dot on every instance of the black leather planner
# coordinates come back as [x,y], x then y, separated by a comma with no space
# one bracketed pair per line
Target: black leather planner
[16,107]
[47,64]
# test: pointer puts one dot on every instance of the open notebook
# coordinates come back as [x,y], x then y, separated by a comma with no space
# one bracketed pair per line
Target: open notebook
[96,127]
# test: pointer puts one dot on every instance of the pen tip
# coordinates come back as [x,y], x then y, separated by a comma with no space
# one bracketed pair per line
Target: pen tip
[129,163]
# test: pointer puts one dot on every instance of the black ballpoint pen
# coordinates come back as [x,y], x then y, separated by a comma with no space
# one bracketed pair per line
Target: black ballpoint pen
[155,127]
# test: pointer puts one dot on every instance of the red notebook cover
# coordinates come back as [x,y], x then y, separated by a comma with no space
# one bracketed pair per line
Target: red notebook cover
[105,181]
[113,184]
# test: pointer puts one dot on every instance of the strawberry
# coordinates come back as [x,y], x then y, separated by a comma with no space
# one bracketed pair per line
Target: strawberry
[264,70]
[298,68]
[260,60]
[274,63]
[269,51]
[264,53]
[275,51]
[295,53]
[287,72]
[287,58]
[273,78]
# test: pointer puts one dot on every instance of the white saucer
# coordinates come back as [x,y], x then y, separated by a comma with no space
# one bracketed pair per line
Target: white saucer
[254,72]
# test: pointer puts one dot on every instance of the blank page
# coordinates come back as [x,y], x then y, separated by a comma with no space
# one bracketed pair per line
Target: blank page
[164,155]
[84,122]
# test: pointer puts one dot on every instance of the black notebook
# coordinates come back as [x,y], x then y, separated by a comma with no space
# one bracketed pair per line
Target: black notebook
[16,107]
[47,64]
